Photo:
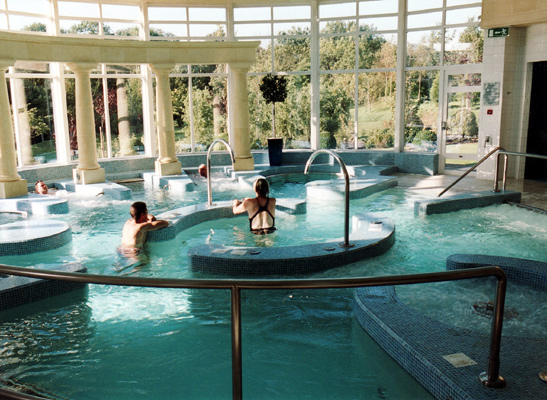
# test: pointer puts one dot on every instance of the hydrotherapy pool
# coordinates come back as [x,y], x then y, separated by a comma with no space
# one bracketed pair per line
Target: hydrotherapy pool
[123,342]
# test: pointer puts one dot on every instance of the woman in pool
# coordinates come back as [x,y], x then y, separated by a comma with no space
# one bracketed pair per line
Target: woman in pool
[261,209]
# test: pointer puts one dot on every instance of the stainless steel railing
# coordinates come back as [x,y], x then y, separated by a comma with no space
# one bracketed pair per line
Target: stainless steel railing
[346,243]
[209,151]
[502,152]
[469,170]
[490,378]
[505,155]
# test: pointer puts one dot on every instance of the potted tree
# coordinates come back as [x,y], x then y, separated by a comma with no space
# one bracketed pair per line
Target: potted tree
[274,90]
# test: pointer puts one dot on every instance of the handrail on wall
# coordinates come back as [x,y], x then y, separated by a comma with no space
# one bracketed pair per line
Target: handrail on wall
[506,154]
[490,378]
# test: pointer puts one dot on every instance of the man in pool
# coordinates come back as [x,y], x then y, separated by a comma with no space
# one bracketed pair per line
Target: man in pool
[202,170]
[261,209]
[135,229]
[41,188]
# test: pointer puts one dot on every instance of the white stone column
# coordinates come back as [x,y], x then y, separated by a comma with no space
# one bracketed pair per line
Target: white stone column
[88,170]
[11,184]
[238,116]
[167,162]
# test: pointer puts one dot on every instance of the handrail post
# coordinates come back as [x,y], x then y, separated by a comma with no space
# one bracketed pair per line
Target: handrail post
[237,367]
[497,173]
[505,162]
[491,378]
[346,243]
[230,151]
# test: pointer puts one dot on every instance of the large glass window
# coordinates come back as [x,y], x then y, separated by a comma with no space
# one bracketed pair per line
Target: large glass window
[355,43]
[99,19]
[33,114]
[199,98]
[125,116]
[421,110]
[285,51]
[376,117]
[337,104]
[436,37]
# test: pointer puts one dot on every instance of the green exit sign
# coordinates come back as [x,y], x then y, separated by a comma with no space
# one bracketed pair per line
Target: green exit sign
[498,32]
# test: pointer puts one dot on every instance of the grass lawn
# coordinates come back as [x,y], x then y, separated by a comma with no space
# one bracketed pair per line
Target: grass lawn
[370,120]
[462,148]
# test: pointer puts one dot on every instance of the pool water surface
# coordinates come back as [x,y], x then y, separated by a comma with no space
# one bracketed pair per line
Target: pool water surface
[168,344]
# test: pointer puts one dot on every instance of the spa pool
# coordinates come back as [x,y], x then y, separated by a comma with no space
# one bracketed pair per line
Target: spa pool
[118,343]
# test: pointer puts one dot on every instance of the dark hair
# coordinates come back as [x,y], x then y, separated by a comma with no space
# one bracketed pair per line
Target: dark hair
[137,209]
[261,187]
[37,182]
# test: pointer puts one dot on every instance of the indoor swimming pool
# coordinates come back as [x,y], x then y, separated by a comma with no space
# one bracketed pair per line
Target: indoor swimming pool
[116,342]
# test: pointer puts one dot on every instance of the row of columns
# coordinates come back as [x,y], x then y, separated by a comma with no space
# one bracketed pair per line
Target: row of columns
[88,170]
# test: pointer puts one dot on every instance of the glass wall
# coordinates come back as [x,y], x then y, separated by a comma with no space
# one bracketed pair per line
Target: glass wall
[358,63]
[284,33]
[441,39]
[199,97]
[339,60]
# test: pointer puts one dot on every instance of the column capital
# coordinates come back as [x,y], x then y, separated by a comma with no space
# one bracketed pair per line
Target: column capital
[159,68]
[81,66]
[240,65]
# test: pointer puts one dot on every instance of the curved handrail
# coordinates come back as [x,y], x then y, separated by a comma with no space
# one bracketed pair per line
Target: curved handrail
[230,151]
[470,169]
[490,378]
[346,177]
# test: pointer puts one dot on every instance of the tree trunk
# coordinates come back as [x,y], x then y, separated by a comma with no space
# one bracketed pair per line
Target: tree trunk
[124,131]
[217,122]
[273,119]
[23,120]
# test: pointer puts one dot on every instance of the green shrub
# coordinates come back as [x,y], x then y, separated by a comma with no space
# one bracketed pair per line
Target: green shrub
[424,135]
[379,139]
[464,123]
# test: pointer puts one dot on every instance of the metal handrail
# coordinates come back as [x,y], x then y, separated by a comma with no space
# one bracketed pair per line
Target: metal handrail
[469,170]
[505,154]
[490,378]
[230,151]
[346,243]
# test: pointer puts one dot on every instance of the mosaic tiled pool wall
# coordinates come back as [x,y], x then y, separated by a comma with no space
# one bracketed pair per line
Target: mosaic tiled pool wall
[47,234]
[419,343]
[132,167]
[372,236]
[18,290]
[525,272]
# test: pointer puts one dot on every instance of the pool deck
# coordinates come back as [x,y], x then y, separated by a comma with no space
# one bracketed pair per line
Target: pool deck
[420,344]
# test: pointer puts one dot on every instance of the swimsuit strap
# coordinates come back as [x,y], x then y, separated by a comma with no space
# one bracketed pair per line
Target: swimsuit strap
[262,209]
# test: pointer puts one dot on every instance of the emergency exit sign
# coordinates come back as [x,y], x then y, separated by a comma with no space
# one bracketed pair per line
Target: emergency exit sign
[498,32]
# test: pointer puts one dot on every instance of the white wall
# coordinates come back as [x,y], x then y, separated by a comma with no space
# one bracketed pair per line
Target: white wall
[507,60]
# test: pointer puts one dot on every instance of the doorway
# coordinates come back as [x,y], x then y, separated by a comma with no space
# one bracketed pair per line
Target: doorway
[536,169]
[460,122]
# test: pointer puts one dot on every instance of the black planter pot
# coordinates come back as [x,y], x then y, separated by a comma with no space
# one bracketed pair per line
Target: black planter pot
[275,151]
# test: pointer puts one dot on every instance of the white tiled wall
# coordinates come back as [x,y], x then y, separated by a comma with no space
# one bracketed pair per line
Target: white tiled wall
[507,60]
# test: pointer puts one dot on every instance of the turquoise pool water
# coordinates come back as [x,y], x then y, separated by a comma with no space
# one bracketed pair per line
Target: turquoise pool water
[117,343]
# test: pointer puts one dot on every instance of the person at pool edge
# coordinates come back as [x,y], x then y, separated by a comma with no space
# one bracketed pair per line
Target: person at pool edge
[261,209]
[135,228]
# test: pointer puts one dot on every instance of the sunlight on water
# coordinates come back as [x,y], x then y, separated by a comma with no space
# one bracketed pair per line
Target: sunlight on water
[136,304]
